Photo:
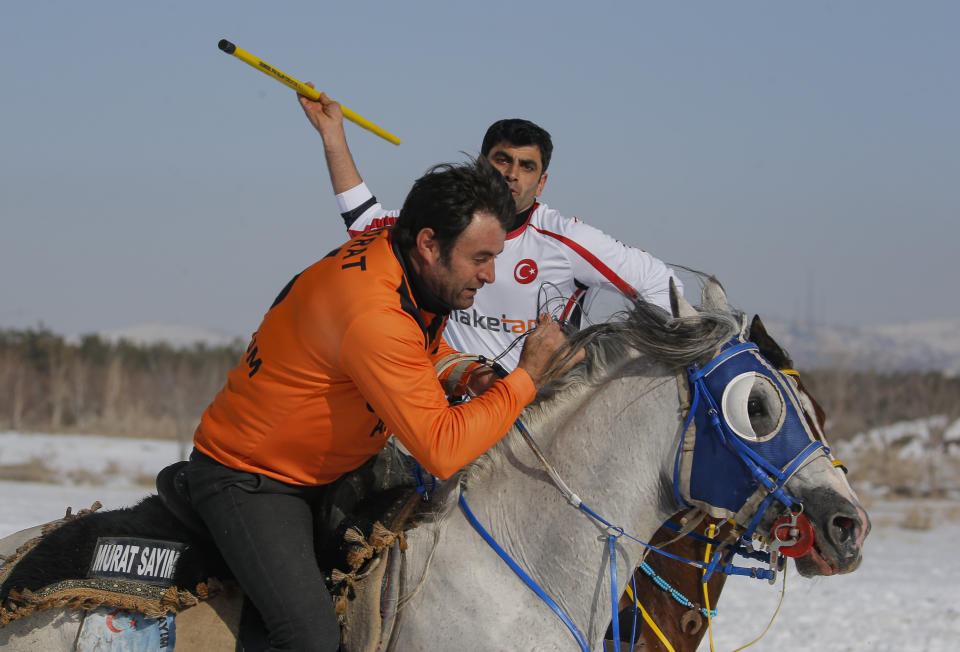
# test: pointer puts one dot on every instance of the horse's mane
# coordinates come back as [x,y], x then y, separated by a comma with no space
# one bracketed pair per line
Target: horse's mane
[644,329]
[648,330]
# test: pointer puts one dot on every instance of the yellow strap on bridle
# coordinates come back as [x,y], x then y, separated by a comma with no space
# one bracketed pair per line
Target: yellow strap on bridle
[646,616]
[711,531]
[647,619]
[783,592]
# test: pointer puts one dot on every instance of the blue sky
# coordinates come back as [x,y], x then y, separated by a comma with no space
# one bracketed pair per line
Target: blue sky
[805,152]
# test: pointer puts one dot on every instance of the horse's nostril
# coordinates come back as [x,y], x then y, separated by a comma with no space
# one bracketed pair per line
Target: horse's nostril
[844,527]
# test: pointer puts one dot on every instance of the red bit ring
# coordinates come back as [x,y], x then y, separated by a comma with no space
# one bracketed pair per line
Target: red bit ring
[804,540]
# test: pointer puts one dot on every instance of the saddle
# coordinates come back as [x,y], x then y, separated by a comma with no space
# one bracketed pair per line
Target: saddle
[366,510]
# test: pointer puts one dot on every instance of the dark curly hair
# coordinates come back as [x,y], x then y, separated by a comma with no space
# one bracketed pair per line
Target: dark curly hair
[447,197]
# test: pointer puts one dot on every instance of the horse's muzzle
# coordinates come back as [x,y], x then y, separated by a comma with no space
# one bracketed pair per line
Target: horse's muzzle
[838,543]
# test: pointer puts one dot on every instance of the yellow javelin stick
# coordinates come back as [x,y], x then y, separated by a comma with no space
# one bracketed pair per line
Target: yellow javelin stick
[302,88]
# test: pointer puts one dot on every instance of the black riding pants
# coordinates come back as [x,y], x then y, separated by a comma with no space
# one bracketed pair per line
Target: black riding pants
[264,529]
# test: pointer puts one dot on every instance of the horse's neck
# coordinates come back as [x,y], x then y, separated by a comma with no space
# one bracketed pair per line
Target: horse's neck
[614,449]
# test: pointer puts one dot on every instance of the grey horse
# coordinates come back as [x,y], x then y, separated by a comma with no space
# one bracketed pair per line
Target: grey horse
[606,436]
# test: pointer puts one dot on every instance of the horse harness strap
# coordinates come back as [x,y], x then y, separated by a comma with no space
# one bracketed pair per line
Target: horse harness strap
[529,581]
[770,480]
[572,498]
[613,532]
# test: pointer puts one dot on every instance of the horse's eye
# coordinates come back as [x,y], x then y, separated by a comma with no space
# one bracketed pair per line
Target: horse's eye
[753,407]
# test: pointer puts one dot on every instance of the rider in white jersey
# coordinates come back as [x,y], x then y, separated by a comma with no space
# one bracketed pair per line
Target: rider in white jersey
[547,265]
[549,262]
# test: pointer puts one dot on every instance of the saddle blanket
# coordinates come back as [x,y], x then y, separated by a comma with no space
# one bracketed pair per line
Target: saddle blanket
[119,630]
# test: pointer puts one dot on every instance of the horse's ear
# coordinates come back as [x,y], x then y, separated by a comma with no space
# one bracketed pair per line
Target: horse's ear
[757,330]
[768,346]
[679,306]
[713,297]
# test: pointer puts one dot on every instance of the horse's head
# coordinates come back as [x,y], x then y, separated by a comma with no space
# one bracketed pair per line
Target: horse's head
[837,534]
[754,453]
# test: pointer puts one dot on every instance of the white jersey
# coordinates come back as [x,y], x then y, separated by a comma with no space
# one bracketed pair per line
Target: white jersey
[548,264]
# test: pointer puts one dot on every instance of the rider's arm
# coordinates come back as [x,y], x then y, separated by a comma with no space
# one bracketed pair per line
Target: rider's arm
[383,354]
[362,212]
[327,118]
[358,207]
[343,170]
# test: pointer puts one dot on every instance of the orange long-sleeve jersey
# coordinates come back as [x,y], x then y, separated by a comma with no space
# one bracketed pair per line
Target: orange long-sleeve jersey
[343,358]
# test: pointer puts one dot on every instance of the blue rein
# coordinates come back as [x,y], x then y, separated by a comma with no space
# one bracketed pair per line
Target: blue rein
[532,584]
[614,532]
[522,574]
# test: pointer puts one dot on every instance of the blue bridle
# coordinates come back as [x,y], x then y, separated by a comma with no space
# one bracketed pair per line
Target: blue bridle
[711,449]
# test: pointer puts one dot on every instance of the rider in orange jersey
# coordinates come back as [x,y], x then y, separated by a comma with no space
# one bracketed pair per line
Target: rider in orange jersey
[350,327]
[344,357]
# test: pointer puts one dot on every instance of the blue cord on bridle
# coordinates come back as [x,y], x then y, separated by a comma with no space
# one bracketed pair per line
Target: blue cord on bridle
[529,581]
[420,485]
[532,584]
[614,532]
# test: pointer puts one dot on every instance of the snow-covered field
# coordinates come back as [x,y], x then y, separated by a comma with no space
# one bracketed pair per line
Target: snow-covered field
[901,598]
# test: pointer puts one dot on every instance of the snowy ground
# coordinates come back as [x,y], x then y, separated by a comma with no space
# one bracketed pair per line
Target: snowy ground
[74,471]
[900,599]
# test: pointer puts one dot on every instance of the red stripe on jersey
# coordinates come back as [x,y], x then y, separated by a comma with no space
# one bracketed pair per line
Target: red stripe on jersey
[571,304]
[517,231]
[378,223]
[610,275]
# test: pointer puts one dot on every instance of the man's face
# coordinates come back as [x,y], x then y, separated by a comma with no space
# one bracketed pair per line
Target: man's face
[522,167]
[470,265]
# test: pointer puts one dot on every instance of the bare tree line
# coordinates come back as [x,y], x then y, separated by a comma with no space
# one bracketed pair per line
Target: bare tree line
[856,401]
[48,384]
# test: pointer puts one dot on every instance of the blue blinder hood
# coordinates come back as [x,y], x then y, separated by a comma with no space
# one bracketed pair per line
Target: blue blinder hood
[746,436]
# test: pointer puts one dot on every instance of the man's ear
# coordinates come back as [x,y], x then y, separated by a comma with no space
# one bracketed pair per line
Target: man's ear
[543,182]
[428,247]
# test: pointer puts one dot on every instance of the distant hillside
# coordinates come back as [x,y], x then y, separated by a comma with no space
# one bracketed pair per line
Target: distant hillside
[917,346]
[174,335]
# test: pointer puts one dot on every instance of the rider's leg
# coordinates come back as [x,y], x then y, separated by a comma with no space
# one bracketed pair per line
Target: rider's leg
[264,530]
